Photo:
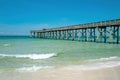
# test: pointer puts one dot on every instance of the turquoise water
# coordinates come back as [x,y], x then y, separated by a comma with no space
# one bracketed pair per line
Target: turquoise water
[24,53]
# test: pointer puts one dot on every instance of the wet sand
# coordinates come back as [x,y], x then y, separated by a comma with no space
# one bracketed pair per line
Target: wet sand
[65,73]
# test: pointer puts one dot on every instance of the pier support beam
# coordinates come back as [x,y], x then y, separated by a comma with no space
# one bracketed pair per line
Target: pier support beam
[62,35]
[78,34]
[52,34]
[94,34]
[48,35]
[66,34]
[82,35]
[99,36]
[73,35]
[90,34]
[31,34]
[105,36]
[85,34]
[57,32]
[37,36]
[69,34]
[117,34]
[111,35]
[114,34]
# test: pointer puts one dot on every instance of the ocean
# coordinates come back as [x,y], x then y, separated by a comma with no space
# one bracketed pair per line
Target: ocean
[25,54]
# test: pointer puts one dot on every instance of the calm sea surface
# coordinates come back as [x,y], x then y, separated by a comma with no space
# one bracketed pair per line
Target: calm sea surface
[24,53]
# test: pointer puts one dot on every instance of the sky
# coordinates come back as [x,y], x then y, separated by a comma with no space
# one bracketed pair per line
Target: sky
[18,17]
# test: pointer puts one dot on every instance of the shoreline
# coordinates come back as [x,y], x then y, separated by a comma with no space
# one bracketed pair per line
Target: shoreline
[65,73]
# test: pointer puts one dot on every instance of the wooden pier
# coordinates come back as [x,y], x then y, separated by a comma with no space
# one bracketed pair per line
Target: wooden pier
[104,31]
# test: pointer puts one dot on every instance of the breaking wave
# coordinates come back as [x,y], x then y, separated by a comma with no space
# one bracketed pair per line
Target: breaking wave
[6,45]
[31,56]
[34,68]
[95,66]
[106,59]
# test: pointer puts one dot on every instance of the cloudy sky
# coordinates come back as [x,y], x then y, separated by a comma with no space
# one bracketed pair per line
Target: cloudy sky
[18,17]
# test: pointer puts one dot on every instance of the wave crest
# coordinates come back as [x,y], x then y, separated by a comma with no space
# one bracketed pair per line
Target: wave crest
[6,45]
[31,56]
[95,66]
[34,68]
[106,59]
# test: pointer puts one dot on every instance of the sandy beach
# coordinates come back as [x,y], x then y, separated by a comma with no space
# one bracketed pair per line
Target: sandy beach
[65,73]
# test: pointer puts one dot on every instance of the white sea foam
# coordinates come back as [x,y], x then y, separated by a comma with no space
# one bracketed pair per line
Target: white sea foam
[34,68]
[106,59]
[95,66]
[6,45]
[31,56]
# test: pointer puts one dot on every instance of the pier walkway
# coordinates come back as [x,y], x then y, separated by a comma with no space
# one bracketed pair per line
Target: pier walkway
[104,31]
